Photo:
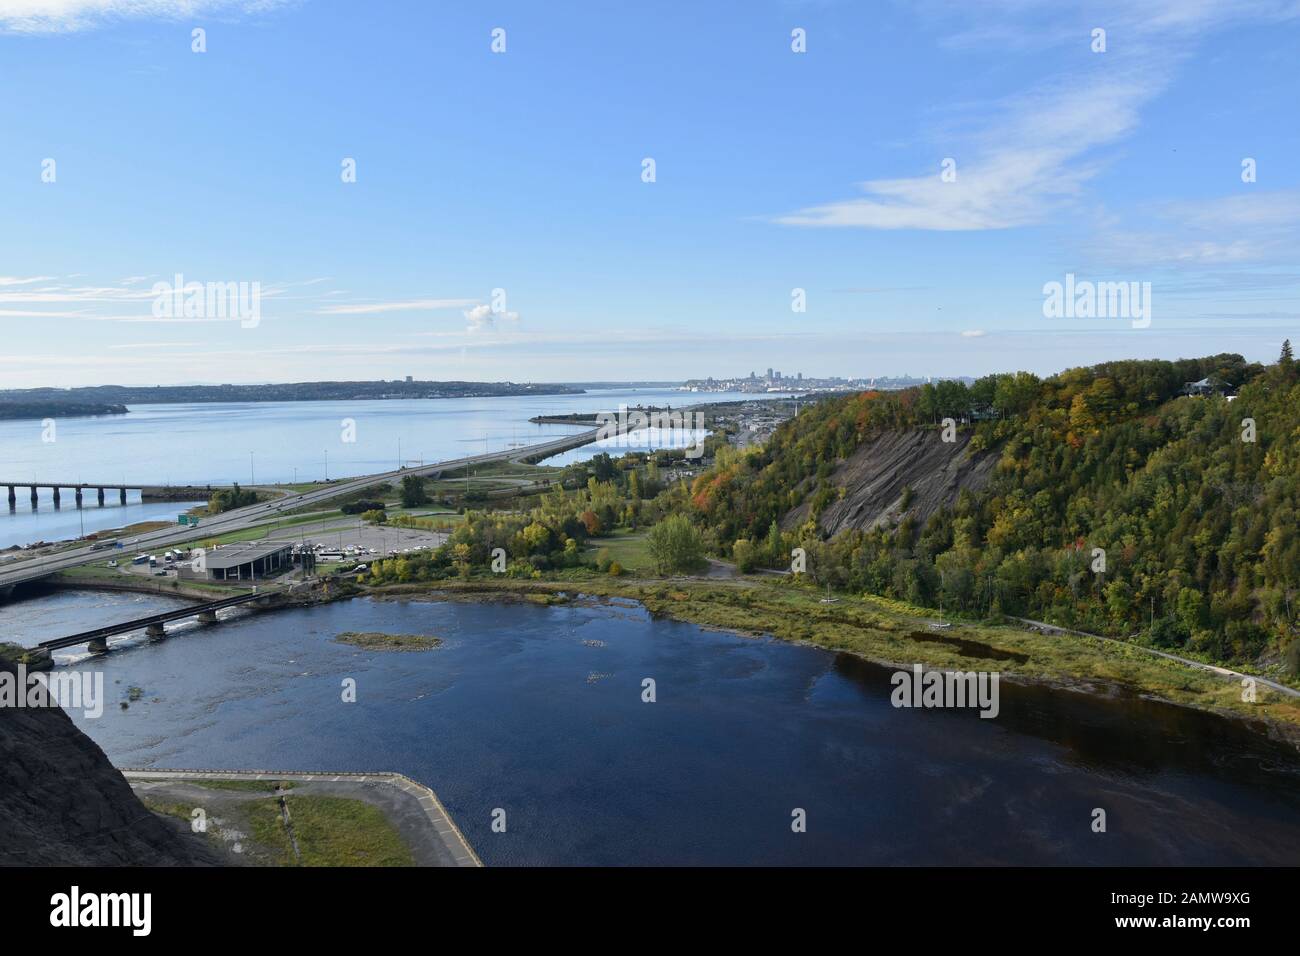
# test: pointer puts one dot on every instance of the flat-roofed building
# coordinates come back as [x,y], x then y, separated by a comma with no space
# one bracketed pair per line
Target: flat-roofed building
[247,562]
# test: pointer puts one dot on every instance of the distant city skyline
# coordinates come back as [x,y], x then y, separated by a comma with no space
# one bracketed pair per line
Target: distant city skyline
[391,197]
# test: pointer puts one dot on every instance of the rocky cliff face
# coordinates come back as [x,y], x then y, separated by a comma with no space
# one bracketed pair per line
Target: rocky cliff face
[874,477]
[63,803]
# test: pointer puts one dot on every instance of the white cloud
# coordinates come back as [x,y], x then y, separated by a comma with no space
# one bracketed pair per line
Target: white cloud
[64,16]
[1035,153]
[1250,227]
[1033,158]
[481,317]
[973,334]
[409,305]
[14,280]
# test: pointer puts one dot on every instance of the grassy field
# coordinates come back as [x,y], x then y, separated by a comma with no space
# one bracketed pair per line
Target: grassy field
[893,633]
[628,548]
[329,831]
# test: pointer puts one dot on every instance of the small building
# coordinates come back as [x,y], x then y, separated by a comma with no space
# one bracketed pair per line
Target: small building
[247,562]
[1209,386]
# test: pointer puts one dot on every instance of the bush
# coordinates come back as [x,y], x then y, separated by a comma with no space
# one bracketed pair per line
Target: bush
[615,569]
[375,516]
[1291,657]
[745,555]
[603,559]
[361,505]
[676,545]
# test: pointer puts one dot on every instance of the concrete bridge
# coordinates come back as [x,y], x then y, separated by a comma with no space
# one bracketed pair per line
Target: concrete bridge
[97,639]
[76,486]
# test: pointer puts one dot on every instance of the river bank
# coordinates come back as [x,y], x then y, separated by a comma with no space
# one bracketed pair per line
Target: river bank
[877,630]
[535,705]
[896,635]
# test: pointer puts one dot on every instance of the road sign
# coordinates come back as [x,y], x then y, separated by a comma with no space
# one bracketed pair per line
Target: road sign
[182,519]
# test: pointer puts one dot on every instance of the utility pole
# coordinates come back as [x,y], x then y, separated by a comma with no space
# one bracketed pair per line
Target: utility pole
[327,464]
[252,475]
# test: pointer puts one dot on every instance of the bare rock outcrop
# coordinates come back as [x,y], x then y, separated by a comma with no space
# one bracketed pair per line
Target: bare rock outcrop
[875,476]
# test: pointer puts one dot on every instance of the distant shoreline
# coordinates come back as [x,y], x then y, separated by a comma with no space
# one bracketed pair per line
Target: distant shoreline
[30,403]
[16,411]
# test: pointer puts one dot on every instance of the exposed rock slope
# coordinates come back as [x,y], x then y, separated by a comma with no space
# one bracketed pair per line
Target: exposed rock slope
[874,477]
[63,803]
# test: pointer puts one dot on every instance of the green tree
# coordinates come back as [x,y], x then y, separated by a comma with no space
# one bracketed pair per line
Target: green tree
[676,545]
[413,493]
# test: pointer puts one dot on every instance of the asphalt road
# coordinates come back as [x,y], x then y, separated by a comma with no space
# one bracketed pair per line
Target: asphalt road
[16,572]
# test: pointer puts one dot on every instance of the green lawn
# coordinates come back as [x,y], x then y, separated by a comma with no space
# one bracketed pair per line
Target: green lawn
[330,831]
[628,548]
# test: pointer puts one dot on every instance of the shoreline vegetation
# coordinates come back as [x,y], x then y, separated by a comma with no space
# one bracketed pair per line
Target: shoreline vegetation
[113,399]
[894,634]
[379,641]
[17,410]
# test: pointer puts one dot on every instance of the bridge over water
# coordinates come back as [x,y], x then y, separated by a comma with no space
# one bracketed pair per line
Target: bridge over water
[97,639]
[76,486]
[32,569]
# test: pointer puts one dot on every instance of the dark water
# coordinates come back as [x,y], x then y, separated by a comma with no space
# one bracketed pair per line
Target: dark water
[515,711]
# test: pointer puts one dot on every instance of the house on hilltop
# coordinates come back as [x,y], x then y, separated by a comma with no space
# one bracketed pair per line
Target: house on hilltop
[1210,385]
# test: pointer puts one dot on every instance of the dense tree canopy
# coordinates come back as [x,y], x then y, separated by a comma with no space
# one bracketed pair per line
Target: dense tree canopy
[1195,522]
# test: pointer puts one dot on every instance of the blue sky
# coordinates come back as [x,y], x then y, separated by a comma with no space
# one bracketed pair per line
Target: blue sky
[522,171]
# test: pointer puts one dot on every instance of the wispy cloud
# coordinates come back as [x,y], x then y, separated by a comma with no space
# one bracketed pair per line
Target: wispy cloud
[1036,155]
[1251,227]
[1036,152]
[66,16]
[406,305]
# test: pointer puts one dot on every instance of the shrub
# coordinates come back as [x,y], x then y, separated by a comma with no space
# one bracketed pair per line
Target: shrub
[676,545]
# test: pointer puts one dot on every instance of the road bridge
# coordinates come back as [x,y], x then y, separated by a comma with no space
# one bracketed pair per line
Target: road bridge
[239,519]
[78,487]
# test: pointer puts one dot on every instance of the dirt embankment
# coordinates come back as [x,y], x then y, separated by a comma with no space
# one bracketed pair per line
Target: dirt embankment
[875,476]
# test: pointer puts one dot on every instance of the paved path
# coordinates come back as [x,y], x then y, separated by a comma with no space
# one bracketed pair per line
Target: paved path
[454,842]
[1212,668]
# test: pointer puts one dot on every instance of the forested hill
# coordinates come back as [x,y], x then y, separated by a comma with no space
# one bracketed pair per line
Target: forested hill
[1194,510]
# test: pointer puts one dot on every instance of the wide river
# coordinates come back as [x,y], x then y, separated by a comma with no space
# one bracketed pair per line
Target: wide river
[220,443]
[538,711]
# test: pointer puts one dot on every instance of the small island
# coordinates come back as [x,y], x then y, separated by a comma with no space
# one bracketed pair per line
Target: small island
[376,640]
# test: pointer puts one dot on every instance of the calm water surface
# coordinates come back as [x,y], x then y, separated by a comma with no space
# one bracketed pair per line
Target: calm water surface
[538,711]
[220,443]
